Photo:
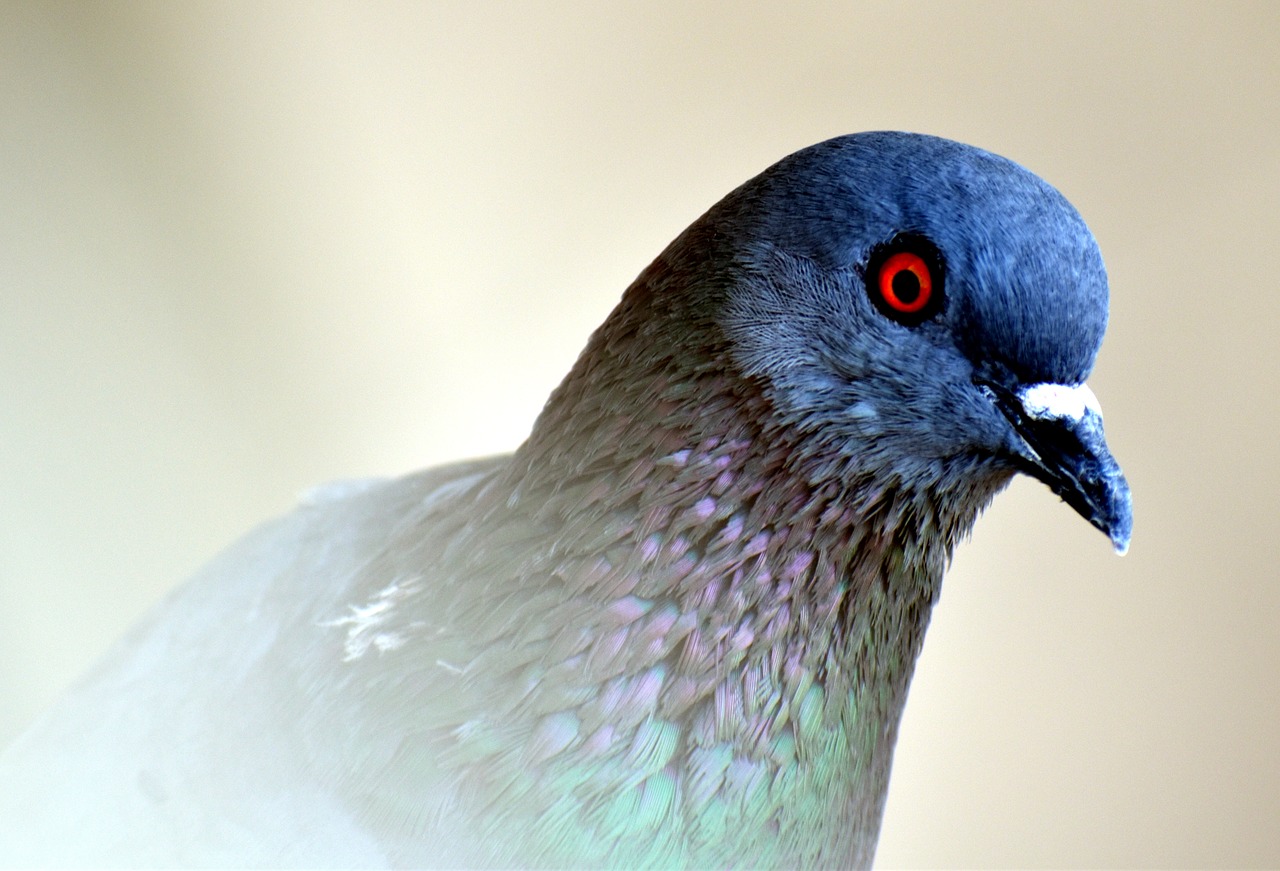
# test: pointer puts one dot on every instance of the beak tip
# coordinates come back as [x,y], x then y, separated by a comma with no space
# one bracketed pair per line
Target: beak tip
[1120,526]
[1121,544]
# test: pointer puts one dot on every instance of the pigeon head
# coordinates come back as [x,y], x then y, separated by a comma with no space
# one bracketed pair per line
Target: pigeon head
[919,308]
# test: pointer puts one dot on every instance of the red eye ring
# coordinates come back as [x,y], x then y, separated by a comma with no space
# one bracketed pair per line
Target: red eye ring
[905,282]
[905,279]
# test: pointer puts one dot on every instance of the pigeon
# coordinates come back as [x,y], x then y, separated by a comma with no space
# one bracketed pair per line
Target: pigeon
[676,627]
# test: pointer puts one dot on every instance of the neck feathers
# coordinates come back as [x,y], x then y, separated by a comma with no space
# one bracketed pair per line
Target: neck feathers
[741,631]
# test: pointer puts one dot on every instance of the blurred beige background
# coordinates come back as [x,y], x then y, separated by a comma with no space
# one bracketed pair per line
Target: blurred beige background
[247,248]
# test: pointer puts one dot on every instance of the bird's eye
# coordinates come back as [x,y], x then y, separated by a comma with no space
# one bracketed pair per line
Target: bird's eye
[904,279]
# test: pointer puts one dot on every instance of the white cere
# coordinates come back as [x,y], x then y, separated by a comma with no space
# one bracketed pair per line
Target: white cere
[1060,401]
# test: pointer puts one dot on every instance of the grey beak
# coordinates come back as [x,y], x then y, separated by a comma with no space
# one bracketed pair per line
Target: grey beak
[1060,441]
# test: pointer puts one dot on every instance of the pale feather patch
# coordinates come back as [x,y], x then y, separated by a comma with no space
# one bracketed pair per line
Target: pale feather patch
[1059,401]
[364,623]
[334,491]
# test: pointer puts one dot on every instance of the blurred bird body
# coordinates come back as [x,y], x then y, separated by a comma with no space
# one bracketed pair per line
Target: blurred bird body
[676,628]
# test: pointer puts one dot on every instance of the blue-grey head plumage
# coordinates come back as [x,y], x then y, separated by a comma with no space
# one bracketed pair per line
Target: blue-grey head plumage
[1025,304]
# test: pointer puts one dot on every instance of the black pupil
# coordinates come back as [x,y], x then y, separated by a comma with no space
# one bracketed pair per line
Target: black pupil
[906,286]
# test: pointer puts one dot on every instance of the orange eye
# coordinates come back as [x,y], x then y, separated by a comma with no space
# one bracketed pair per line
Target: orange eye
[905,282]
[904,279]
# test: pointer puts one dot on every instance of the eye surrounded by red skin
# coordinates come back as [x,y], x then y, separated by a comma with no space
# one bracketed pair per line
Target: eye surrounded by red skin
[904,279]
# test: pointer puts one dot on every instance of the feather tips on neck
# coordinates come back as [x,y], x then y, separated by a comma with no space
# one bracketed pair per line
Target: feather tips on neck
[730,616]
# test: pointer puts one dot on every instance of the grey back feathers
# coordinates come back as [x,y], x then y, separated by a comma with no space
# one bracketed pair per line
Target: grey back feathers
[677,626]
